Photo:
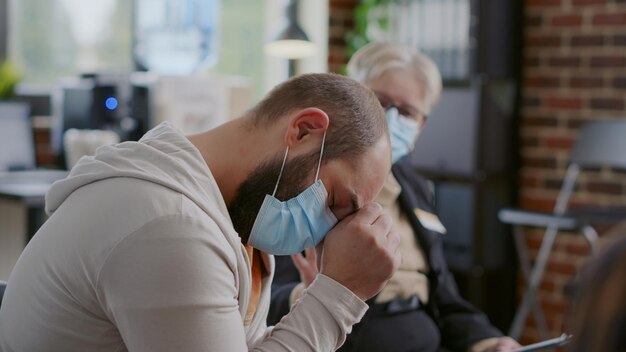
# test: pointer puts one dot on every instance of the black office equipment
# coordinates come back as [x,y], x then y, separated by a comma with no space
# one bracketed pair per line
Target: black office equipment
[115,102]
[17,150]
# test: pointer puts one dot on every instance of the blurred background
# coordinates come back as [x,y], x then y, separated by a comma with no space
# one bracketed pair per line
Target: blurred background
[520,80]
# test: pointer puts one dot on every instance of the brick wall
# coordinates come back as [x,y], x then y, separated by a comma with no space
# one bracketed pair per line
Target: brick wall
[574,72]
[341,21]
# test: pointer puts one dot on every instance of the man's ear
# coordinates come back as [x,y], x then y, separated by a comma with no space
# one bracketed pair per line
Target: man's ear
[306,123]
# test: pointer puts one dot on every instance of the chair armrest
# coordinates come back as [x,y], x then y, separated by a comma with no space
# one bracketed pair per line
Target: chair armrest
[521,217]
[599,214]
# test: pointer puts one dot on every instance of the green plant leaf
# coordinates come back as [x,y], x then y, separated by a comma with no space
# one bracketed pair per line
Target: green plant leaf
[9,77]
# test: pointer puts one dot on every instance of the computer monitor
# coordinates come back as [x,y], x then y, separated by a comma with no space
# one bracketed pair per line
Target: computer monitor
[17,149]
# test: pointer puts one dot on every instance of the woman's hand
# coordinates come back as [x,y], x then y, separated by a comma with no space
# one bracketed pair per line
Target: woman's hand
[307,266]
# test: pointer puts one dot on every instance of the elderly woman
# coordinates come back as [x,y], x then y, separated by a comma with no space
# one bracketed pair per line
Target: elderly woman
[420,308]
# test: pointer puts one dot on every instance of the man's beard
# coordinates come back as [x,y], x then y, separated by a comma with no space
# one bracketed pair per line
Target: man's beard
[261,181]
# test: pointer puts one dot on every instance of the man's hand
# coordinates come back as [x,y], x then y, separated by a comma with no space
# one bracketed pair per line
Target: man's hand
[307,266]
[361,252]
[504,344]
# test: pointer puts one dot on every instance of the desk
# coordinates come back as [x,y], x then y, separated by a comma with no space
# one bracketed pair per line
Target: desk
[22,201]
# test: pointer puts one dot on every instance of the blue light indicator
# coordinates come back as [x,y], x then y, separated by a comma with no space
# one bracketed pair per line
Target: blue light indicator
[111,103]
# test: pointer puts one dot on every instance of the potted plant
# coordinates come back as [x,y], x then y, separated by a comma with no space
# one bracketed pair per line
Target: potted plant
[9,76]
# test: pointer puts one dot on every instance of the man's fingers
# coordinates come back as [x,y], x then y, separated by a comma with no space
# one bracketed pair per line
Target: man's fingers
[393,245]
[299,261]
[368,213]
[311,257]
[382,225]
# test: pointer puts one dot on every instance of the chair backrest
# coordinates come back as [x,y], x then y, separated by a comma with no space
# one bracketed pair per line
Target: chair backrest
[3,286]
[17,148]
[601,143]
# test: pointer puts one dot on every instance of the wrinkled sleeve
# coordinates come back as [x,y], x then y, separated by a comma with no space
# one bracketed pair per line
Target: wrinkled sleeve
[286,278]
[461,324]
[172,286]
[319,321]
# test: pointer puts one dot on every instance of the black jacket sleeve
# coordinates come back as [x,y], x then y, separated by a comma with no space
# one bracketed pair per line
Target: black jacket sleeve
[286,277]
[460,323]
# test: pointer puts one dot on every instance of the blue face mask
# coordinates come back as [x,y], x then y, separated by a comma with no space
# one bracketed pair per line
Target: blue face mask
[289,227]
[402,131]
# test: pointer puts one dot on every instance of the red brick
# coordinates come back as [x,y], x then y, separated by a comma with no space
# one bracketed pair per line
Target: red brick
[585,82]
[607,104]
[540,40]
[608,61]
[531,61]
[610,188]
[338,69]
[560,142]
[542,82]
[542,3]
[554,306]
[534,241]
[612,19]
[619,82]
[45,158]
[576,123]
[539,121]
[566,20]
[533,21]
[619,40]
[531,182]
[340,2]
[335,21]
[564,61]
[548,286]
[588,2]
[335,59]
[530,141]
[538,204]
[554,184]
[578,249]
[337,41]
[547,162]
[531,101]
[343,4]
[563,103]
[42,137]
[561,267]
[587,40]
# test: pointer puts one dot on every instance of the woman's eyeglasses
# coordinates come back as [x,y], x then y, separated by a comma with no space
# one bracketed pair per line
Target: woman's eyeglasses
[405,110]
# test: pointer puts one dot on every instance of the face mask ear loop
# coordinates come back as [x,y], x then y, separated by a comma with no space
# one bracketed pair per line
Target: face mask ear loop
[281,172]
[319,163]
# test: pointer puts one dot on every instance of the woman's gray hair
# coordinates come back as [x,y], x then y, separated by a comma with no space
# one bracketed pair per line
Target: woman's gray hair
[374,59]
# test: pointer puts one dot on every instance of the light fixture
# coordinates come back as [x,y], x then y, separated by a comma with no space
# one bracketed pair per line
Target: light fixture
[291,42]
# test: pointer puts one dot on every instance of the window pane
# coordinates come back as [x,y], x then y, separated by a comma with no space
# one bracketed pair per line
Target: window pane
[53,38]
[242,39]
[57,38]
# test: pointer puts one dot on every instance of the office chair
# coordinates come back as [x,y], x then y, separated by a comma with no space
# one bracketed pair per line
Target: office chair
[3,286]
[600,144]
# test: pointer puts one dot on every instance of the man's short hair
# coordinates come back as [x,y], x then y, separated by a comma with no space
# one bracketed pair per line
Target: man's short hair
[374,59]
[357,121]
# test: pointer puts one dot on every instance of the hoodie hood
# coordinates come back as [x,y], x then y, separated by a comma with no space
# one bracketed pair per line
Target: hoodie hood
[163,156]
